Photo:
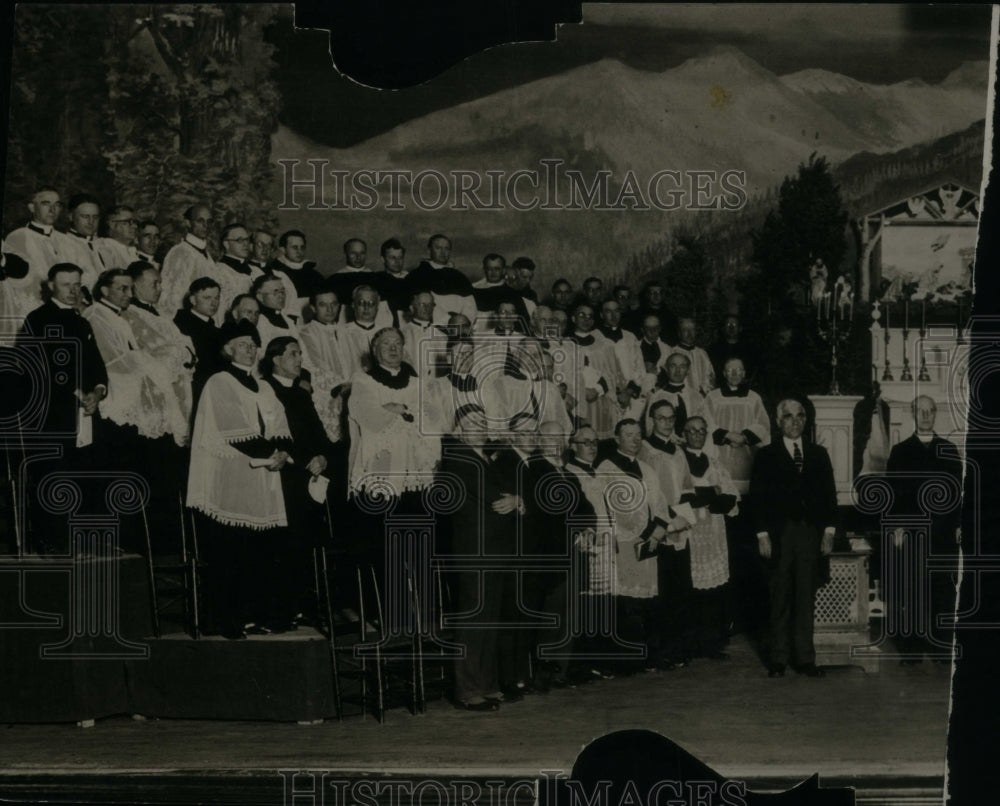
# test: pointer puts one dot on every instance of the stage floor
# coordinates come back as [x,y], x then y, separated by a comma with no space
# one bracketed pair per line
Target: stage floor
[877,730]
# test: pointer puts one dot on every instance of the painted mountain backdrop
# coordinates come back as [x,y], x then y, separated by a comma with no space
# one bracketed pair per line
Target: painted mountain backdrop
[717,112]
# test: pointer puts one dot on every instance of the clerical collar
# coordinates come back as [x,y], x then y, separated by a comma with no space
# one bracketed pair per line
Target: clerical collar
[237,264]
[198,243]
[274,317]
[583,339]
[63,305]
[241,373]
[582,465]
[286,262]
[106,304]
[740,391]
[421,323]
[41,229]
[330,325]
[288,383]
[80,235]
[397,379]
[347,269]
[203,317]
[684,346]
[144,256]
[613,333]
[658,442]
[435,265]
[676,388]
[363,326]
[925,438]
[694,452]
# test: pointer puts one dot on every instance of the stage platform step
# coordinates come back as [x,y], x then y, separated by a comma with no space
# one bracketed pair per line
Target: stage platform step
[285,678]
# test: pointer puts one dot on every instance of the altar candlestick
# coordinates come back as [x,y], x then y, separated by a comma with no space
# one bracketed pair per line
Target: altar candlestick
[906,314]
[923,316]
[887,306]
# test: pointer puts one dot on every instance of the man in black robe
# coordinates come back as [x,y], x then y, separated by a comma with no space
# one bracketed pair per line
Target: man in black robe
[923,458]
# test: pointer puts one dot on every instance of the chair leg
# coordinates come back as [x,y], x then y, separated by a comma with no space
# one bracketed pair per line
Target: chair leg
[379,673]
[195,580]
[188,581]
[321,568]
[151,574]
[418,695]
[361,640]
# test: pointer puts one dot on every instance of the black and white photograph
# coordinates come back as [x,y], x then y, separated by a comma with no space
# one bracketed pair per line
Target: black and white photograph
[553,404]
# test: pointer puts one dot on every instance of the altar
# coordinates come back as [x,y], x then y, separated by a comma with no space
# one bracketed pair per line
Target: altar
[915,271]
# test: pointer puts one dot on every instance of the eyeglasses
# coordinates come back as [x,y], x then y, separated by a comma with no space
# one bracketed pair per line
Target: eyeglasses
[132,222]
[694,431]
[582,315]
[589,443]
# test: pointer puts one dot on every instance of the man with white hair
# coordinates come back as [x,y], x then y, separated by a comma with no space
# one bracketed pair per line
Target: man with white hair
[794,501]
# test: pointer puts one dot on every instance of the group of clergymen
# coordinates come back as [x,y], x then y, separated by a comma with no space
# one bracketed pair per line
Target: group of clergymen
[574,430]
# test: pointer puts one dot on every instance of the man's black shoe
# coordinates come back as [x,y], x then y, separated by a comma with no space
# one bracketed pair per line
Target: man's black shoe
[776,670]
[810,670]
[482,707]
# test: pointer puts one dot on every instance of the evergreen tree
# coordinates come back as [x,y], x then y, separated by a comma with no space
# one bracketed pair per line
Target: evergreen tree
[808,224]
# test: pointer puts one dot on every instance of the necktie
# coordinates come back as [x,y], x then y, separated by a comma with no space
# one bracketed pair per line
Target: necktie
[797,456]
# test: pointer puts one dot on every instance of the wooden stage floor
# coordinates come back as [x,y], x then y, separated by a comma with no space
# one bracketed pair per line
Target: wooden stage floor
[879,730]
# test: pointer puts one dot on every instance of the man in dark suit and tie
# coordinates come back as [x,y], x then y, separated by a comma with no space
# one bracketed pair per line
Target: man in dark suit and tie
[794,500]
[483,525]
[923,458]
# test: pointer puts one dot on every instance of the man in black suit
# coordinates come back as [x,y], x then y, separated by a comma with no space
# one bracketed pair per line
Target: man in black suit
[555,504]
[75,382]
[196,320]
[481,526]
[921,458]
[794,500]
[312,453]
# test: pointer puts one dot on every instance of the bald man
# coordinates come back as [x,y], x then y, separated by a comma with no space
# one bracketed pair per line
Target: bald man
[920,459]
